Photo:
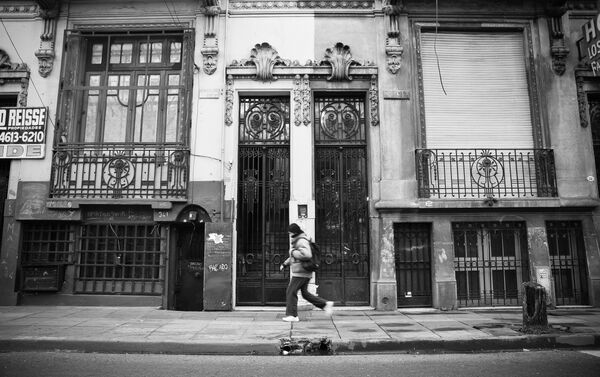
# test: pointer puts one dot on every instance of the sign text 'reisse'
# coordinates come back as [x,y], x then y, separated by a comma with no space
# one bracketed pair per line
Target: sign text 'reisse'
[23,132]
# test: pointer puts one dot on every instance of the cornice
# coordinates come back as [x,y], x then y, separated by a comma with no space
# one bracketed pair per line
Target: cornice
[19,10]
[322,4]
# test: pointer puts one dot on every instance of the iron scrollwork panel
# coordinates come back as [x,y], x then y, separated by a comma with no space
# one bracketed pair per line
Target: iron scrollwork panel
[342,212]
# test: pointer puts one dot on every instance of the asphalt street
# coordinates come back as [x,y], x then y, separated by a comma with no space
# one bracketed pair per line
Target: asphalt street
[556,363]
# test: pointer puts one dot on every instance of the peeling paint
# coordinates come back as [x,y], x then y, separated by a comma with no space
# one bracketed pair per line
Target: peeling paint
[442,256]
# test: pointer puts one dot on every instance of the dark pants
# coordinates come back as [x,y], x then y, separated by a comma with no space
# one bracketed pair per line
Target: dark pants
[291,297]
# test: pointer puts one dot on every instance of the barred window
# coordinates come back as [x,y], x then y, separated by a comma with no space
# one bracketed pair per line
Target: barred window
[120,258]
[47,243]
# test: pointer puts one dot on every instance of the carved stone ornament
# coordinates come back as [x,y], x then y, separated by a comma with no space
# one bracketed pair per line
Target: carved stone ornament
[340,59]
[209,59]
[229,101]
[558,49]
[394,55]
[210,49]
[15,73]
[581,101]
[374,101]
[49,11]
[301,100]
[393,49]
[265,58]
[45,61]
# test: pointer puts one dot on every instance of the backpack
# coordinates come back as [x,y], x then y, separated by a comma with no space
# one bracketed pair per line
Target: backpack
[313,263]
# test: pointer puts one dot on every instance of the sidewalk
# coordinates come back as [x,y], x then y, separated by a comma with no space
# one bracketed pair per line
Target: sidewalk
[152,330]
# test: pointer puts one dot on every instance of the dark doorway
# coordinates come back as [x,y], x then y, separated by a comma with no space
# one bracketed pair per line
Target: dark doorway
[189,279]
[412,249]
[341,198]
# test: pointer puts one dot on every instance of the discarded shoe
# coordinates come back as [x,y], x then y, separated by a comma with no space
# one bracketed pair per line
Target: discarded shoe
[328,308]
[290,318]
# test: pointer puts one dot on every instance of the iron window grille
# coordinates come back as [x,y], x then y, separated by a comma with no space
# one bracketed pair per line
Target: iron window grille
[47,243]
[120,259]
[490,262]
[568,262]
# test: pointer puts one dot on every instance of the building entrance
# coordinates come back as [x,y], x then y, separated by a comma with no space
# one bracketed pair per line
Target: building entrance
[263,200]
[341,198]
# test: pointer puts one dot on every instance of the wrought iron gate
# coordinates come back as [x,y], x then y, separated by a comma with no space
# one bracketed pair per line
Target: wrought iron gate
[568,262]
[341,194]
[263,200]
[412,246]
[490,263]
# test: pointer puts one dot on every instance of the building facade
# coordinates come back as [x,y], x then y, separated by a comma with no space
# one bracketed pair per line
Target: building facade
[441,153]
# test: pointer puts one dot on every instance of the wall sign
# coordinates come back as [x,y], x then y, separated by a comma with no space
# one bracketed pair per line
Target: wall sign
[23,132]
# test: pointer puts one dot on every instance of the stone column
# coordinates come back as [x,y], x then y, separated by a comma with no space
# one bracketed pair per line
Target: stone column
[539,256]
[384,267]
[442,260]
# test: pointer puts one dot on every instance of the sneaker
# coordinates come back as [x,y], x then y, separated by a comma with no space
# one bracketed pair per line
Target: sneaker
[328,308]
[290,318]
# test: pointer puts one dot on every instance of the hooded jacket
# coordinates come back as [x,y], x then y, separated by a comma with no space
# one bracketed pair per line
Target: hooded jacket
[300,251]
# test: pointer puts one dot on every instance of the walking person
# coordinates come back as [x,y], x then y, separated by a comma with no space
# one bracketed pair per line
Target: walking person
[300,250]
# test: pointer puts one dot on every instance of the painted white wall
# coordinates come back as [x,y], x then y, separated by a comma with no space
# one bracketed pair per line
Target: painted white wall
[292,36]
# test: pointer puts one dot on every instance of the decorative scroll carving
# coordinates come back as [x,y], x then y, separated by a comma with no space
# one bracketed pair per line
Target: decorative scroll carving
[265,58]
[306,101]
[229,101]
[297,100]
[340,59]
[301,100]
[581,101]
[558,49]
[393,49]
[15,73]
[49,10]
[374,101]
[210,49]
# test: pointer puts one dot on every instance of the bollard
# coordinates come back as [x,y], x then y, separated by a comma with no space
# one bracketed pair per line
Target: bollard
[535,318]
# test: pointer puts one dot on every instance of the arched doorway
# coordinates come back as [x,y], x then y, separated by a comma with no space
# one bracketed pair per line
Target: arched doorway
[188,254]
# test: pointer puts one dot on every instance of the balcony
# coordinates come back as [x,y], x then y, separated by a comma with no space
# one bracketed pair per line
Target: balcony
[115,171]
[485,173]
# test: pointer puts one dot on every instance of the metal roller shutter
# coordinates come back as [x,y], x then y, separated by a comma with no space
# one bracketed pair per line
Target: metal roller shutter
[486,104]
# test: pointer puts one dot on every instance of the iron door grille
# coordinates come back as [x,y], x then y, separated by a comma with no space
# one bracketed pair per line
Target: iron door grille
[263,200]
[491,262]
[120,259]
[341,192]
[412,246]
[568,262]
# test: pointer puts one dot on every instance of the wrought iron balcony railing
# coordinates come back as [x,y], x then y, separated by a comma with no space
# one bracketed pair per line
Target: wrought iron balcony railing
[486,173]
[132,171]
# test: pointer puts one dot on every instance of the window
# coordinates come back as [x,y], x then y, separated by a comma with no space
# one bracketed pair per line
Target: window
[126,88]
[490,261]
[120,259]
[568,262]
[47,243]
[475,89]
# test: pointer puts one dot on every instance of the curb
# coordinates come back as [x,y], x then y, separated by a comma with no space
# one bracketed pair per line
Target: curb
[470,345]
[274,348]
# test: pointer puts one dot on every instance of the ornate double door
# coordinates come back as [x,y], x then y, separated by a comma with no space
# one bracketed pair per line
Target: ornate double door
[263,200]
[341,198]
